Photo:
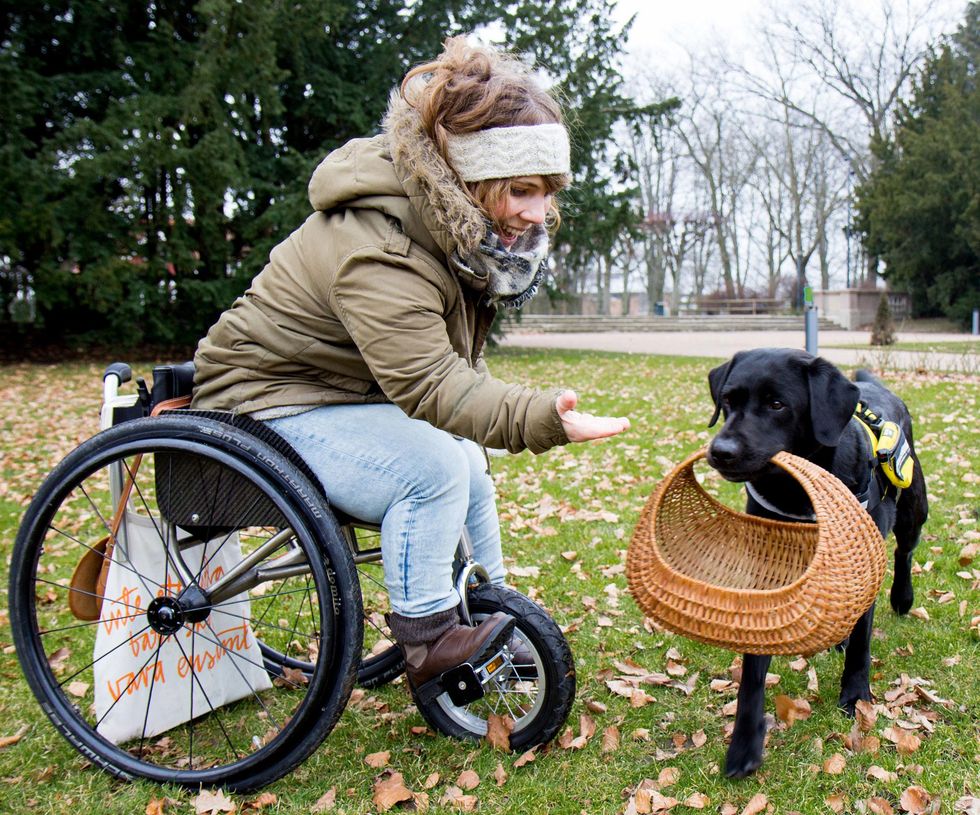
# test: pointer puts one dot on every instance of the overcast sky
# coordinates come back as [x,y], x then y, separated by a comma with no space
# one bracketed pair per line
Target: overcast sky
[663,29]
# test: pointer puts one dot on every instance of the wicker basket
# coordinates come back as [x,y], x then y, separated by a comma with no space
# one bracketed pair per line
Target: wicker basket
[756,586]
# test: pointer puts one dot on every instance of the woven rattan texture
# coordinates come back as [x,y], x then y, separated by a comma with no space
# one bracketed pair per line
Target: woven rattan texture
[705,571]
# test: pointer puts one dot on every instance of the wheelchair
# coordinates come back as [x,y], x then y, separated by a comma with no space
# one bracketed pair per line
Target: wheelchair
[254,572]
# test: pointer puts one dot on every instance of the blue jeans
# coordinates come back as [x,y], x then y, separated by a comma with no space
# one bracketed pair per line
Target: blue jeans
[419,483]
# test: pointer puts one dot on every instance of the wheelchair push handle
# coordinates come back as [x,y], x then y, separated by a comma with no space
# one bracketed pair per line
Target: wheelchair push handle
[120,370]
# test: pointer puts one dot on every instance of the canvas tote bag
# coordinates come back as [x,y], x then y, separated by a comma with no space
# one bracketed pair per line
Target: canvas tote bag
[133,662]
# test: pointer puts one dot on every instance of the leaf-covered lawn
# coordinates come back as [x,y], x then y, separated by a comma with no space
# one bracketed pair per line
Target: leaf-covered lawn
[653,711]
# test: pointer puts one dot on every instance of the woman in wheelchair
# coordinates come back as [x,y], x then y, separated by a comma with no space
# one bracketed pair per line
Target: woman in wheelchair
[361,340]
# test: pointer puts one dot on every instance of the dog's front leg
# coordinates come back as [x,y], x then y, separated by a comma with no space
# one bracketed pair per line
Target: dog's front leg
[855,680]
[745,752]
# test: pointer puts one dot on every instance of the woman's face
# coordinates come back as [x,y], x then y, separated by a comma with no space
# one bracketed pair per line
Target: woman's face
[526,203]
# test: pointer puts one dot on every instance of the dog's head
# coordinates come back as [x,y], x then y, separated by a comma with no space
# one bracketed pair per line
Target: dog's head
[775,399]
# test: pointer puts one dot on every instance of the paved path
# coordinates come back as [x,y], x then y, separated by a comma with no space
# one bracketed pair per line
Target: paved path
[722,344]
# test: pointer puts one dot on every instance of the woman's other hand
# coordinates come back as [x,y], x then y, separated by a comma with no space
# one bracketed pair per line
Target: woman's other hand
[585,426]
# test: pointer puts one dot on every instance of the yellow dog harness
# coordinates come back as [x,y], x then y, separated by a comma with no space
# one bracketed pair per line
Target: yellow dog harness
[889,448]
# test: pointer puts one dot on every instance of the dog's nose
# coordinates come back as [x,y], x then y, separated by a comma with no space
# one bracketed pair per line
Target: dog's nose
[722,451]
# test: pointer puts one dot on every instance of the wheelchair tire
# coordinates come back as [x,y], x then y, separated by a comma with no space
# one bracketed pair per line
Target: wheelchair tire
[298,595]
[538,699]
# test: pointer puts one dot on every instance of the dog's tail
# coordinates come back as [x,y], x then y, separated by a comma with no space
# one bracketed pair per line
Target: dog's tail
[864,375]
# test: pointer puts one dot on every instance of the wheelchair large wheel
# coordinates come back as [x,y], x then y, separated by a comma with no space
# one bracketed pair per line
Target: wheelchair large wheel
[248,562]
[537,689]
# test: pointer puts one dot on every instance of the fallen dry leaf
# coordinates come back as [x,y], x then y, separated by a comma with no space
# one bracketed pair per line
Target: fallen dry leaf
[457,798]
[266,799]
[378,760]
[291,678]
[915,800]
[837,802]
[155,807]
[812,685]
[905,741]
[968,553]
[468,780]
[586,726]
[697,800]
[640,698]
[835,765]
[790,710]
[499,729]
[668,776]
[390,791]
[919,613]
[647,798]
[880,806]
[756,804]
[6,741]
[968,804]
[500,775]
[208,803]
[431,781]
[630,667]
[865,715]
[326,802]
[610,739]
[525,758]
[880,773]
[675,668]
[57,660]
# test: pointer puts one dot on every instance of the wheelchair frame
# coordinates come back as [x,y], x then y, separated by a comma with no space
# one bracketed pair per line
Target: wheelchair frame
[537,695]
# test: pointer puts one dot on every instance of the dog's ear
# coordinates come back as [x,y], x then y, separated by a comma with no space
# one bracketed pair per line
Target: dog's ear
[716,381]
[833,398]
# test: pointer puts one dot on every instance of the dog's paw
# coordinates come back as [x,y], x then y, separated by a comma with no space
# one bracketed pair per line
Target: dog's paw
[742,760]
[849,699]
[901,598]
[745,751]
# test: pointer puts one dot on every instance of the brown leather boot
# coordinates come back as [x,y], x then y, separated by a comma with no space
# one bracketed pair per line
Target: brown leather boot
[455,645]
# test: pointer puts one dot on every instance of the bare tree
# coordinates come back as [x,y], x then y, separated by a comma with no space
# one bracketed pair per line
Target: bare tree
[841,70]
[772,196]
[714,137]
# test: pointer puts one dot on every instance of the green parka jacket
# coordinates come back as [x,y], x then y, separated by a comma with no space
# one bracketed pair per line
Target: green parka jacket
[363,303]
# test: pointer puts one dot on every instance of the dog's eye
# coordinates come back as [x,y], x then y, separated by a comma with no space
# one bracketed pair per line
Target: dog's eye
[775,404]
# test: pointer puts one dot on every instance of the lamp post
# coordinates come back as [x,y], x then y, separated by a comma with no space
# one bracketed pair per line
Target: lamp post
[847,228]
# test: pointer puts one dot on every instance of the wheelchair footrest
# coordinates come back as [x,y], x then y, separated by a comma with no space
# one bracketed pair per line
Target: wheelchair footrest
[464,683]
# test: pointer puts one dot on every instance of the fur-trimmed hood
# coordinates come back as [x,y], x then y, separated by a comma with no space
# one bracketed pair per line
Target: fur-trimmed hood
[402,174]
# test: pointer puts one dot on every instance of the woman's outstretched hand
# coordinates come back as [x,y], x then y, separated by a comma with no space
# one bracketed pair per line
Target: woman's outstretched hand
[585,426]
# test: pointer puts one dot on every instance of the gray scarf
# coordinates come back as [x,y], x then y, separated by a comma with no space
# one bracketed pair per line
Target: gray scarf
[513,275]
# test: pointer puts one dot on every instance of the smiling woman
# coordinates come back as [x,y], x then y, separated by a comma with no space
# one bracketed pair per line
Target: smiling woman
[361,341]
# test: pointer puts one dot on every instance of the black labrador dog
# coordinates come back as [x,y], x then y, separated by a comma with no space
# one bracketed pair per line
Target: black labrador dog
[777,399]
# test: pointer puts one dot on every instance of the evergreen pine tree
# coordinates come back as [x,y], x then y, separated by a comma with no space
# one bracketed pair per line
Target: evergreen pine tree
[883,328]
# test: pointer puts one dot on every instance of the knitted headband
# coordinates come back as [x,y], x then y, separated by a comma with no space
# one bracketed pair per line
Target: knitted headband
[506,152]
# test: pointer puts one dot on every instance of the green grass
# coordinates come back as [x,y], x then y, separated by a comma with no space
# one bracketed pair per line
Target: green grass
[48,410]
